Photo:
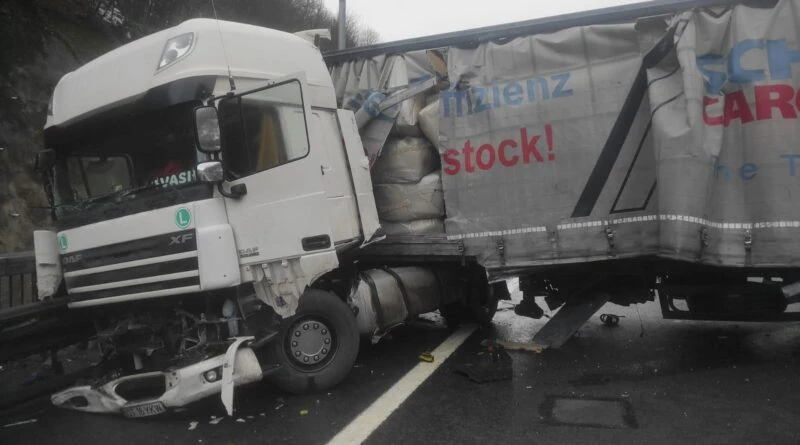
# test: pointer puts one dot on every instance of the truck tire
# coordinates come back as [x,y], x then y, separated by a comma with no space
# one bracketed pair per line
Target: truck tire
[484,305]
[479,305]
[317,347]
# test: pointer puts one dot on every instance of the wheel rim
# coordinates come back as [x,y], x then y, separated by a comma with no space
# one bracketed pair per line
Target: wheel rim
[311,343]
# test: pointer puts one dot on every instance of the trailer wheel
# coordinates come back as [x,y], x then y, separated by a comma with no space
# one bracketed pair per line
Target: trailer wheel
[317,347]
[479,303]
[483,305]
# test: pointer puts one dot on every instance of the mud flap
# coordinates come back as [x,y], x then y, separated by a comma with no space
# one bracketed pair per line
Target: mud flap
[568,320]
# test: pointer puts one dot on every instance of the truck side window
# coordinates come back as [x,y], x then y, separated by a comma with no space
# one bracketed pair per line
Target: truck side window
[264,129]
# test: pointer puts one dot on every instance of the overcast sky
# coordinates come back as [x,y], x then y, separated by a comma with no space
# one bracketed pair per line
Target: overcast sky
[402,19]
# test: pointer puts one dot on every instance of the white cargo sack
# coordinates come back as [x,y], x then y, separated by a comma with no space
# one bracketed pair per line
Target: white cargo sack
[429,122]
[417,227]
[405,161]
[407,120]
[408,202]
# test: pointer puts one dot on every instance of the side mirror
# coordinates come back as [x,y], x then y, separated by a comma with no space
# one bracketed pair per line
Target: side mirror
[206,126]
[45,160]
[210,172]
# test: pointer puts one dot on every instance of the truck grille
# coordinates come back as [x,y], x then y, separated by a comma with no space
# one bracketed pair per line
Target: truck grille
[153,266]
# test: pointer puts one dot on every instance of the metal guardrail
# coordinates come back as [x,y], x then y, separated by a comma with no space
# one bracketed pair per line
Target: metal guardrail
[17,280]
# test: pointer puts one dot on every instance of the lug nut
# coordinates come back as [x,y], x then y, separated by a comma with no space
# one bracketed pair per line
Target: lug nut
[324,351]
[316,358]
[296,333]
[305,326]
[327,341]
[294,344]
[316,325]
[324,331]
[297,353]
[305,359]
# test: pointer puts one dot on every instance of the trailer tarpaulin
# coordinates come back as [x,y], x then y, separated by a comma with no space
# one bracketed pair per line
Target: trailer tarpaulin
[671,137]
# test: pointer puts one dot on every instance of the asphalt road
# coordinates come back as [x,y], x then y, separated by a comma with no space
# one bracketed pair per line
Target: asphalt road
[670,382]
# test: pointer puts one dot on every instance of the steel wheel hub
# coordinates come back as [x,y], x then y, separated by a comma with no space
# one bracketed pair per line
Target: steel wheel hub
[310,342]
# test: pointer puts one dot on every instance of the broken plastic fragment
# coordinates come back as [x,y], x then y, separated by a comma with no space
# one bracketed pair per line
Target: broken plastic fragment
[193,425]
[303,412]
[215,420]
[426,357]
[21,422]
[240,420]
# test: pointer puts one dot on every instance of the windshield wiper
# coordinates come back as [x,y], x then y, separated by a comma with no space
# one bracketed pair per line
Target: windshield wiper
[122,194]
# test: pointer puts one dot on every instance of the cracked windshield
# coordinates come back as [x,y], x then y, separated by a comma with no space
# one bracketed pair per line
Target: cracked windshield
[148,152]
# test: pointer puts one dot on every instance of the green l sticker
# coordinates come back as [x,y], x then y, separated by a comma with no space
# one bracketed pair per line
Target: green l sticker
[62,242]
[183,218]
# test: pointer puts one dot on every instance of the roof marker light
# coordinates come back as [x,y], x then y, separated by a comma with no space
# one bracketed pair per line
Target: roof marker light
[176,48]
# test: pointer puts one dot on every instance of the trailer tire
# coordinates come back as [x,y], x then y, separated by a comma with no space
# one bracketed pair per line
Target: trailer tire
[484,305]
[317,347]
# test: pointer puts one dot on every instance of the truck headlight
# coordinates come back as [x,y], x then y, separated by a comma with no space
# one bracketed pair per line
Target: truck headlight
[176,48]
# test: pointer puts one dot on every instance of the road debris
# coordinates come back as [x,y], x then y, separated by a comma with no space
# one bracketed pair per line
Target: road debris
[426,357]
[279,405]
[303,412]
[240,420]
[21,422]
[215,420]
[610,320]
[193,425]
[493,366]
[514,346]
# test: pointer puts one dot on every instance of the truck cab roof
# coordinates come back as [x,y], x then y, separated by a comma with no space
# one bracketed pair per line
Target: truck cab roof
[254,54]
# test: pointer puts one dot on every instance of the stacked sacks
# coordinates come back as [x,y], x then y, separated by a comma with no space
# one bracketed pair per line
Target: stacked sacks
[407,183]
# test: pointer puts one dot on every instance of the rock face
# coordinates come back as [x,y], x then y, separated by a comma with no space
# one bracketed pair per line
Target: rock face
[39,41]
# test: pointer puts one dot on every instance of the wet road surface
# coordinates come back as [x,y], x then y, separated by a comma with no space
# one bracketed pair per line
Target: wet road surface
[647,380]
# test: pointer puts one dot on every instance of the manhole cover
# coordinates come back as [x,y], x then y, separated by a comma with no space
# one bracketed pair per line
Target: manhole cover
[602,413]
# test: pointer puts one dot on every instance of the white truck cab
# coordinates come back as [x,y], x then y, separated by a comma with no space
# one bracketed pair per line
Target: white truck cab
[202,181]
[136,220]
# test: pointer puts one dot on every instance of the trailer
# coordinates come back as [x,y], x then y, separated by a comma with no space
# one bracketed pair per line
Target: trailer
[234,205]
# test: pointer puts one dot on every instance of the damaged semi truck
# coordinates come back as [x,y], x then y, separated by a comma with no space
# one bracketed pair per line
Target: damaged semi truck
[234,205]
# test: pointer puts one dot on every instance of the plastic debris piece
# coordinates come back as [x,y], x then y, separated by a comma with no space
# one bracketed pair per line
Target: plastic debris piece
[529,387]
[240,420]
[610,320]
[215,420]
[426,357]
[193,425]
[262,414]
[250,417]
[21,422]
[303,412]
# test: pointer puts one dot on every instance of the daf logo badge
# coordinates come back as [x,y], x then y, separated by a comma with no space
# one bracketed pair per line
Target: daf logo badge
[72,259]
[177,240]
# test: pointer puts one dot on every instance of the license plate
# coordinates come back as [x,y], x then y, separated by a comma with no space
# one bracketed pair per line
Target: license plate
[148,409]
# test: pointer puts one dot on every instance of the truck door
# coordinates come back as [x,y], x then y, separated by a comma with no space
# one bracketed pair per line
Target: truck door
[266,148]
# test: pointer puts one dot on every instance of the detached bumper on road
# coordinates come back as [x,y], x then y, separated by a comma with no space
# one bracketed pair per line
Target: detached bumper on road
[167,389]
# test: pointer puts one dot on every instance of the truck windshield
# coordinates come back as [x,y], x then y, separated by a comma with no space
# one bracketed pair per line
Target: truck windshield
[147,153]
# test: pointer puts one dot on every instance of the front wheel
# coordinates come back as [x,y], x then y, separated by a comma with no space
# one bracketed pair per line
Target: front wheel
[316,347]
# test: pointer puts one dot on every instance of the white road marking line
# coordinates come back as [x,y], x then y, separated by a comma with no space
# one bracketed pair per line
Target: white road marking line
[368,421]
